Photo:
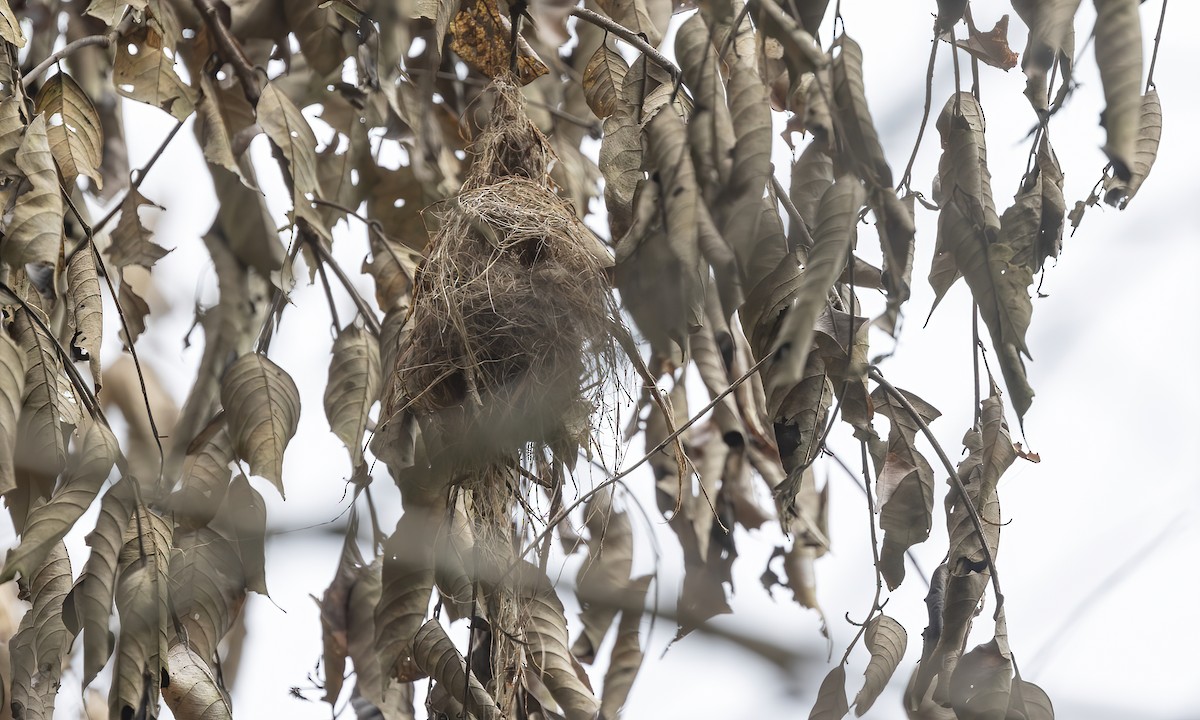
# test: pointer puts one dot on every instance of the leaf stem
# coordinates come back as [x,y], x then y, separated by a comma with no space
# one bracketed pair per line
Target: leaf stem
[904,181]
[1162,18]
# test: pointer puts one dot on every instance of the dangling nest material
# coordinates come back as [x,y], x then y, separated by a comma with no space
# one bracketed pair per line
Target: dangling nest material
[511,310]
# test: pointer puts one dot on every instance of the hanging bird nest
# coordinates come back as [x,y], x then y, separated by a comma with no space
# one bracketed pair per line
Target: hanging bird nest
[511,309]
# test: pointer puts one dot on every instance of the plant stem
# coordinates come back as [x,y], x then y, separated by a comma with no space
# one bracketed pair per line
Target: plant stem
[628,36]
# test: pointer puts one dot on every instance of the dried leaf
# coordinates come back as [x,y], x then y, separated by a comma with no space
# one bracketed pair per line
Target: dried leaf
[10,29]
[394,267]
[207,589]
[34,234]
[142,601]
[831,697]
[1119,55]
[49,401]
[245,515]
[546,642]
[710,128]
[13,368]
[887,640]
[860,137]
[407,582]
[76,137]
[981,686]
[41,641]
[319,33]
[355,381]
[1030,700]
[193,692]
[835,236]
[436,655]
[225,125]
[48,524]
[991,47]
[751,117]
[136,311]
[84,314]
[626,657]
[603,574]
[904,483]
[483,39]
[1149,134]
[262,409]
[602,80]
[648,18]
[131,241]
[12,129]
[287,127]
[88,605]
[144,70]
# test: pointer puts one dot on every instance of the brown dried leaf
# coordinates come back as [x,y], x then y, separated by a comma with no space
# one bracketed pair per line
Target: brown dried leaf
[142,600]
[194,693]
[131,241]
[354,384]
[831,697]
[407,582]
[207,588]
[626,657]
[12,387]
[34,234]
[319,32]
[95,454]
[41,641]
[136,311]
[1119,55]
[10,29]
[981,686]
[225,125]
[76,137]
[147,74]
[262,409]
[887,640]
[394,267]
[287,127]
[12,129]
[602,80]
[992,46]
[482,37]
[1149,134]
[710,128]
[603,574]
[436,655]
[85,319]
[850,99]
[49,401]
[648,18]
[89,604]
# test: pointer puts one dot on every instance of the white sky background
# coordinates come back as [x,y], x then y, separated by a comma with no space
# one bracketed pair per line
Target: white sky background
[1095,562]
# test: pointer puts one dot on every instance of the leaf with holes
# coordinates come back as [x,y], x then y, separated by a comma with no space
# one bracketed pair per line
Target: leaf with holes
[144,70]
[262,409]
[287,127]
[76,136]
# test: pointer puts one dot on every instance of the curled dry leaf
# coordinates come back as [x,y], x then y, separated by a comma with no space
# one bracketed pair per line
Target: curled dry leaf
[436,655]
[12,389]
[710,128]
[861,139]
[88,605]
[147,74]
[41,641]
[904,481]
[84,314]
[95,454]
[10,29]
[1119,55]
[604,573]
[991,47]
[262,409]
[34,233]
[482,37]
[407,582]
[355,380]
[76,136]
[887,640]
[194,692]
[1149,133]
[603,77]
[142,600]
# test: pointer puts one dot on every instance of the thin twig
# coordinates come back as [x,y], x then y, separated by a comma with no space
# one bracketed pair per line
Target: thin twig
[231,50]
[976,521]
[364,309]
[875,606]
[91,40]
[1162,18]
[628,36]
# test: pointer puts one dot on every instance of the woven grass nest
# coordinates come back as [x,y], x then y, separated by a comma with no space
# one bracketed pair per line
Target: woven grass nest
[511,309]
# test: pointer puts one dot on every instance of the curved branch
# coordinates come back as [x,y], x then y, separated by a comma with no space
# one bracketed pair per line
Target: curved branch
[628,36]
[99,40]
